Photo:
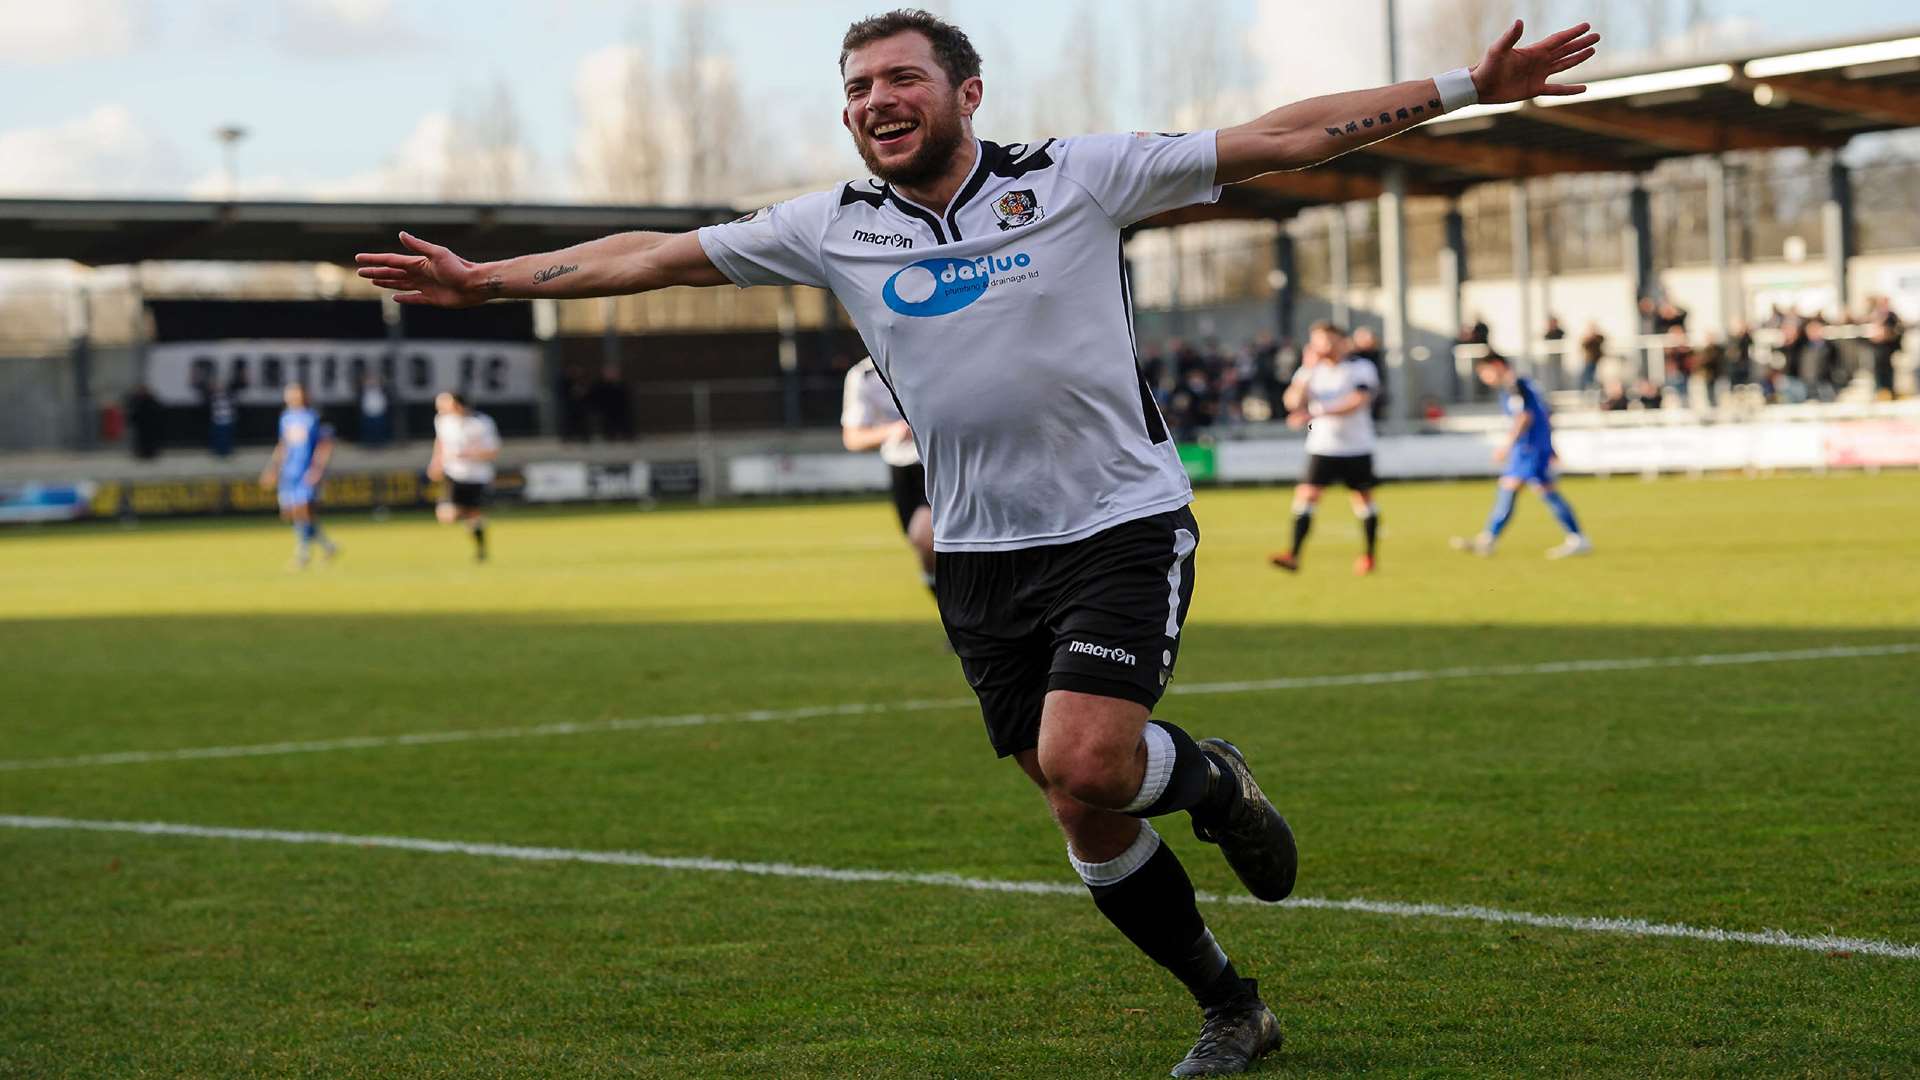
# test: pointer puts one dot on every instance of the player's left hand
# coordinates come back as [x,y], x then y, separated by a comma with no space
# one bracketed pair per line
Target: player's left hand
[1500,454]
[312,479]
[1513,72]
[1297,419]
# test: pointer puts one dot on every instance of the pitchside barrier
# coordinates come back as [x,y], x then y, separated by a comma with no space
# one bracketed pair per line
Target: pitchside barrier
[1862,443]
[1802,438]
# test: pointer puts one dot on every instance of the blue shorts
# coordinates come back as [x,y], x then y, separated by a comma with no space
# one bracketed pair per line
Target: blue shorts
[1530,468]
[295,493]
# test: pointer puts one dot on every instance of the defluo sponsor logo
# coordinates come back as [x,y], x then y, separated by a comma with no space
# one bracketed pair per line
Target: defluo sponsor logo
[933,287]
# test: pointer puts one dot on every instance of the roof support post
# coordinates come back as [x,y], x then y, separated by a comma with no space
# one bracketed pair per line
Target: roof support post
[1836,218]
[1639,252]
[789,357]
[1402,376]
[1453,277]
[1341,278]
[1285,297]
[1523,269]
[1719,243]
[80,360]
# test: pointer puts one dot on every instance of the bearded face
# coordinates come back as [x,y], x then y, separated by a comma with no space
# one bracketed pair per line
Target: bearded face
[908,147]
[907,119]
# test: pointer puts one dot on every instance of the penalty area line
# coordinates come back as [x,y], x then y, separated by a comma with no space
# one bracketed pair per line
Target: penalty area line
[1639,928]
[814,712]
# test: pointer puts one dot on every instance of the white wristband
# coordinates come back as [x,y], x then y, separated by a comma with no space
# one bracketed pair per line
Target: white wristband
[1456,89]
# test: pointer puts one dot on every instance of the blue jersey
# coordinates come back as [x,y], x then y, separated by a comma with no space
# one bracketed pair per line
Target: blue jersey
[1537,441]
[301,433]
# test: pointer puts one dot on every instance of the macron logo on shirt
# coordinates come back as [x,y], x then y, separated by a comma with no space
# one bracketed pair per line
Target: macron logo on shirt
[1102,652]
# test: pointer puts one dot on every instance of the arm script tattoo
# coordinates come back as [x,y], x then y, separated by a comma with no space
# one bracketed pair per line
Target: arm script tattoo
[1413,114]
[551,272]
[494,285]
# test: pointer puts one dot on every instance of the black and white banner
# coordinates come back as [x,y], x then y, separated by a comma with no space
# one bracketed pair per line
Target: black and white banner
[489,372]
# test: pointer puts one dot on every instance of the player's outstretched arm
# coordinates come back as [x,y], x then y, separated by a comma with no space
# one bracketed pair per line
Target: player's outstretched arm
[615,265]
[1319,129]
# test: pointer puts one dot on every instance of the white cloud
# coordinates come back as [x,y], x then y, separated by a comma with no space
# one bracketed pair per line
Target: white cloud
[53,31]
[344,28]
[109,151]
[413,171]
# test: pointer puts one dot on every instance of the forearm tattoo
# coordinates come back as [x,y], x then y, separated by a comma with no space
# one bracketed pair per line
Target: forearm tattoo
[551,272]
[1405,115]
[494,285]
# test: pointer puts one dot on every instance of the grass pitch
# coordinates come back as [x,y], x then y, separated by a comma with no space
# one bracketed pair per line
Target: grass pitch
[1743,796]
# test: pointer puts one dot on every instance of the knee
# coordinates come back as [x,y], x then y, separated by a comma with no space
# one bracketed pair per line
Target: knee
[1092,772]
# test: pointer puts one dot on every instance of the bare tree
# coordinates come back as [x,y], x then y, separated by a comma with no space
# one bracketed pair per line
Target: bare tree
[486,157]
[1190,62]
[708,104]
[619,156]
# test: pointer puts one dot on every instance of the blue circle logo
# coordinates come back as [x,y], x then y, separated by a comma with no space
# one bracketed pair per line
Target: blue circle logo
[934,287]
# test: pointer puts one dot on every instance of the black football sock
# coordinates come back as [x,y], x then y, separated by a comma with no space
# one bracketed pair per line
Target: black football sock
[1146,894]
[479,537]
[1181,776]
[1302,525]
[1370,524]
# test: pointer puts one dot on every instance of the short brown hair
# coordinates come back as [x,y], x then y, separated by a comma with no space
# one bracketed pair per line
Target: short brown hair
[1328,326]
[951,48]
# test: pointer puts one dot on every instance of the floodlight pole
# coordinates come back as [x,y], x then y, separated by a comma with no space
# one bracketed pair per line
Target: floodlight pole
[229,137]
[1402,378]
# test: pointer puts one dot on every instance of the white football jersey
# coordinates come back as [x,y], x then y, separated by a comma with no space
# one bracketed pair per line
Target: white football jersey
[1350,434]
[866,402]
[1003,325]
[463,434]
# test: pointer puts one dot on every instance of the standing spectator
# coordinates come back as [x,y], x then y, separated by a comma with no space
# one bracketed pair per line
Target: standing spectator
[1740,354]
[144,422]
[576,404]
[376,419]
[1884,331]
[1266,368]
[610,400]
[1679,357]
[1820,364]
[1709,365]
[221,417]
[1793,344]
[1670,316]
[1647,394]
[1650,317]
[1593,348]
[1366,346]
[1613,396]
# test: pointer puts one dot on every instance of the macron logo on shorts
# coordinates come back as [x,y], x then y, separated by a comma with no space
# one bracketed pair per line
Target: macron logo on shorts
[1101,652]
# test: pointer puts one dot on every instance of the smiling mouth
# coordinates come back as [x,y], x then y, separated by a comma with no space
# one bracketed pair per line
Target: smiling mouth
[892,131]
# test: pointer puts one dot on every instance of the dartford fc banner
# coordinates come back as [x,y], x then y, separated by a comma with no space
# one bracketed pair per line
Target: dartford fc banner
[334,371]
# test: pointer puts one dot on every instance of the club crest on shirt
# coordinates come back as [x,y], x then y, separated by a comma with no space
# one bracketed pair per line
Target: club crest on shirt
[1017,208]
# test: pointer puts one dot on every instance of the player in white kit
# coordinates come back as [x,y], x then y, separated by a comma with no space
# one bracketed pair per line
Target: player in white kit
[1332,397]
[465,444]
[990,282]
[870,420]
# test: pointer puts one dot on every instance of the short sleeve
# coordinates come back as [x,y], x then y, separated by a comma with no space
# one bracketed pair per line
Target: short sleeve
[489,434]
[322,433]
[1134,177]
[778,245]
[853,403]
[1366,375]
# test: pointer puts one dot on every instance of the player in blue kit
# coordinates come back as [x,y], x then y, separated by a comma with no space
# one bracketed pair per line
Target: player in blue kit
[299,462]
[1528,458]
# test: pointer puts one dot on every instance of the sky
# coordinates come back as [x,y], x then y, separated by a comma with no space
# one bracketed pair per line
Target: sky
[353,98]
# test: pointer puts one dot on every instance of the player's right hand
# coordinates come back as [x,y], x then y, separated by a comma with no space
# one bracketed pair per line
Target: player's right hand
[266,480]
[426,274]
[1297,419]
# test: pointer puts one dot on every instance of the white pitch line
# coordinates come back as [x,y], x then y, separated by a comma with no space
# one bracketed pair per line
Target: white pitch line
[1823,943]
[591,727]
